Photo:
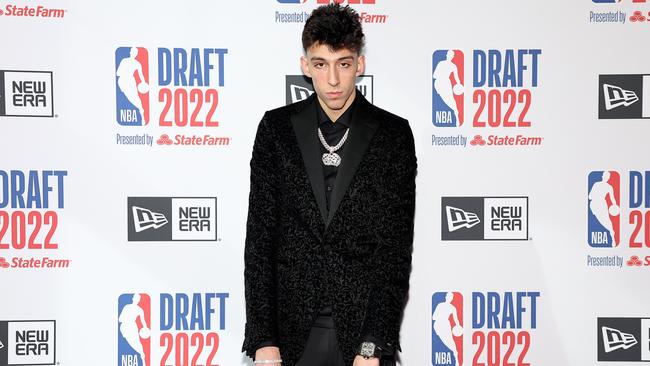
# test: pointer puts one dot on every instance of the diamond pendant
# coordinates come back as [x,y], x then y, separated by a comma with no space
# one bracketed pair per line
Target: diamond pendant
[331,159]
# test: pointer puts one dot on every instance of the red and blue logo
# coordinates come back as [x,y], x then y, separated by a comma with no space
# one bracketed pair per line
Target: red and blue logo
[134,330]
[448,89]
[500,90]
[607,211]
[501,328]
[132,86]
[604,209]
[173,92]
[447,328]
[187,329]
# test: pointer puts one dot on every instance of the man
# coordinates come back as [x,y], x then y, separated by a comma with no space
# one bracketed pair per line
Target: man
[330,221]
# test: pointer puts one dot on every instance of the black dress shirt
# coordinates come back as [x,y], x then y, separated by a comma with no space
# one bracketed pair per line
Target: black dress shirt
[333,133]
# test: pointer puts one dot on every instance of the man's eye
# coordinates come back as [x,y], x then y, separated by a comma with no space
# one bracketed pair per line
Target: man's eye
[319,65]
[344,64]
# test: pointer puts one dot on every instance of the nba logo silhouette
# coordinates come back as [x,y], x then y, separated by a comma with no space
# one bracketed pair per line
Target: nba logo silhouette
[132,86]
[134,330]
[604,209]
[448,88]
[447,329]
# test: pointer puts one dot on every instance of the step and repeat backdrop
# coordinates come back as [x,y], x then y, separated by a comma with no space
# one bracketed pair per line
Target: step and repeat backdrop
[126,130]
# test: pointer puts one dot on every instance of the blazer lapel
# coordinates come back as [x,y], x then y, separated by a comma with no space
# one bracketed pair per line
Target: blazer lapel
[362,130]
[305,127]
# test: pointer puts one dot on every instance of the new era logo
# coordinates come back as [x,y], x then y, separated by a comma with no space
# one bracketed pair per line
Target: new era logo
[484,218]
[623,339]
[614,339]
[26,93]
[172,218]
[616,96]
[457,218]
[27,342]
[624,96]
[144,219]
[299,93]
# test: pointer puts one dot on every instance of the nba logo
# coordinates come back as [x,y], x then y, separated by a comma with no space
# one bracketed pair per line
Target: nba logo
[604,209]
[448,88]
[447,329]
[132,86]
[134,330]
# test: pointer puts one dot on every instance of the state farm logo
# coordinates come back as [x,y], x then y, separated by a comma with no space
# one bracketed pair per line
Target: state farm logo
[638,16]
[164,140]
[39,11]
[636,261]
[477,140]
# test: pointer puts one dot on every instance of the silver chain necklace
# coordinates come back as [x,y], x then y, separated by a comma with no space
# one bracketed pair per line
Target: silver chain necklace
[332,158]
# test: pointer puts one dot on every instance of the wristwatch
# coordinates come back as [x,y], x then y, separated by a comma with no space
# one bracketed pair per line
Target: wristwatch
[368,350]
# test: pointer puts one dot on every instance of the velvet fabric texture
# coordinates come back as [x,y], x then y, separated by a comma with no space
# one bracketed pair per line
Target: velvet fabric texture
[356,257]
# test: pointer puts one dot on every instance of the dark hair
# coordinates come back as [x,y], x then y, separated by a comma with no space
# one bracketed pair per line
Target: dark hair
[333,25]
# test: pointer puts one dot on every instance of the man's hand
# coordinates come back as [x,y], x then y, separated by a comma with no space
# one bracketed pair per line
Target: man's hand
[360,361]
[268,353]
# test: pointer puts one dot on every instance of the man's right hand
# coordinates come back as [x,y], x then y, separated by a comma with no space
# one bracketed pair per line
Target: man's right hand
[268,353]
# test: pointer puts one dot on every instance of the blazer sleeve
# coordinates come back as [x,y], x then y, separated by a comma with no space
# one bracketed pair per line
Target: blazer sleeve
[392,259]
[259,251]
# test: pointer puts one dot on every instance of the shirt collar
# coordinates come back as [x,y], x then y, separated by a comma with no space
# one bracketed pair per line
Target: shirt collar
[345,119]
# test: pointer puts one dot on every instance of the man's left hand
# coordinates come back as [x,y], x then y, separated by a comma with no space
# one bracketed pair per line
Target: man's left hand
[360,361]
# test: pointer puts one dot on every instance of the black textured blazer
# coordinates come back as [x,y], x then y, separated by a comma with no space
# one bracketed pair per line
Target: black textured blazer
[356,257]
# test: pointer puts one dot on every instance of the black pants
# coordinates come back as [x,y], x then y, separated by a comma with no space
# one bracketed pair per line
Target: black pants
[322,349]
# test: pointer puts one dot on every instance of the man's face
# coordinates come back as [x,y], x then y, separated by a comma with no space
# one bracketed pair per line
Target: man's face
[334,74]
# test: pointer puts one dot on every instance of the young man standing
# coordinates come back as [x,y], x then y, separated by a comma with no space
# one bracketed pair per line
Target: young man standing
[330,221]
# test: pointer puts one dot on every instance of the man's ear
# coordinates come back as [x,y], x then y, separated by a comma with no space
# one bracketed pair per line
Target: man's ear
[361,65]
[304,64]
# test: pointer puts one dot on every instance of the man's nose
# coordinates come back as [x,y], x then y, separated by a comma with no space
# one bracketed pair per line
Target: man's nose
[333,76]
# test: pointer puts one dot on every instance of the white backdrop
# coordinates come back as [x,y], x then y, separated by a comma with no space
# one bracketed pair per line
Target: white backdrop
[80,47]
